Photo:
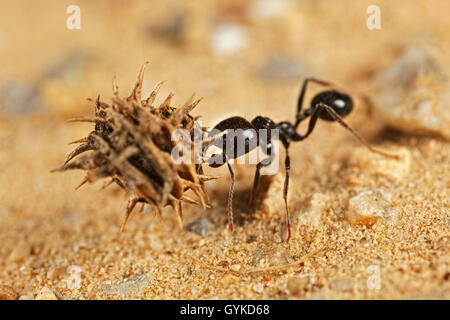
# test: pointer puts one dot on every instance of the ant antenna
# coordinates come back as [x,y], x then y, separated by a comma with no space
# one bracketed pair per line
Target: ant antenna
[336,117]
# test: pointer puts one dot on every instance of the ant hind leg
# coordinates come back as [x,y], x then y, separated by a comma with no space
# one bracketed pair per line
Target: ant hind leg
[299,116]
[230,197]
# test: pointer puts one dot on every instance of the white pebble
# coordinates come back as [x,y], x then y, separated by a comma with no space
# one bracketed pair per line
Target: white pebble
[21,251]
[267,9]
[46,294]
[228,39]
[235,267]
[258,288]
[365,209]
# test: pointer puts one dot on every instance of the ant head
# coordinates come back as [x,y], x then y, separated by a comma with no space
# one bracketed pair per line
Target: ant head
[340,102]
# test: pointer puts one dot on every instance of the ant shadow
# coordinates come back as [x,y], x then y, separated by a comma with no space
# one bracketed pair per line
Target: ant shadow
[400,137]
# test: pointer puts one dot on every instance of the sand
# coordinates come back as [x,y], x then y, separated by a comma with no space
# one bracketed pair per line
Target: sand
[364,227]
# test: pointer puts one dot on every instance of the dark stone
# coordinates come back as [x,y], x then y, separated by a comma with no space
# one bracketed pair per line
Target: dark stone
[18,98]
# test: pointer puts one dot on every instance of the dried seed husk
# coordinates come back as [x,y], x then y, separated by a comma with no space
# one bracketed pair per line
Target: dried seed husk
[131,144]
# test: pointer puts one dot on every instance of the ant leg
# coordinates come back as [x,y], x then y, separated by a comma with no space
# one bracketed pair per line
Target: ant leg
[336,117]
[230,197]
[261,164]
[311,125]
[287,164]
[313,120]
[267,149]
[300,117]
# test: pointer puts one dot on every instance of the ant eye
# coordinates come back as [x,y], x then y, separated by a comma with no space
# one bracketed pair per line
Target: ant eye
[340,102]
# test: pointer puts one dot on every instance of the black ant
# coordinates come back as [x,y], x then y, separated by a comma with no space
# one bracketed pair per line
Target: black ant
[329,105]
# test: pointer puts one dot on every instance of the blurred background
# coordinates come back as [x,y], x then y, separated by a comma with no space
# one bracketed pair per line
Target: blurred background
[243,56]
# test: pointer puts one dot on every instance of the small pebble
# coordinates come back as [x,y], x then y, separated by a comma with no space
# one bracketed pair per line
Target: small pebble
[223,263]
[235,267]
[173,29]
[18,98]
[413,95]
[321,282]
[7,293]
[353,181]
[379,165]
[296,286]
[228,279]
[257,256]
[156,245]
[70,67]
[37,263]
[365,209]
[343,285]
[281,68]
[21,251]
[46,294]
[56,272]
[227,39]
[58,295]
[130,287]
[201,226]
[258,288]
[267,9]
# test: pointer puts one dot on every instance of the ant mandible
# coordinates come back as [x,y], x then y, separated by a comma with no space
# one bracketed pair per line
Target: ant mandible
[329,105]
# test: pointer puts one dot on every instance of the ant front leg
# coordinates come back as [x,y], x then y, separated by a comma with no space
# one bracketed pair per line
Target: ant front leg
[311,125]
[299,116]
[336,117]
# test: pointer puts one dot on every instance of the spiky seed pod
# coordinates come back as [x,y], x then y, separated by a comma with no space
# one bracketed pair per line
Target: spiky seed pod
[131,144]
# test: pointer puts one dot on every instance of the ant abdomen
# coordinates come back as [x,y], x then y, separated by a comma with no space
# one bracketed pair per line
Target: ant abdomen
[240,139]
